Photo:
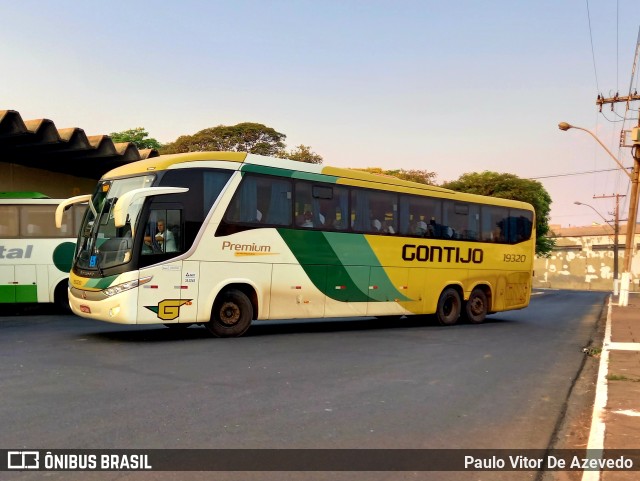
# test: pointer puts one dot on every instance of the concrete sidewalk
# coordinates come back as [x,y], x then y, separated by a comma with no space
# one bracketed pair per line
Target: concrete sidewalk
[621,412]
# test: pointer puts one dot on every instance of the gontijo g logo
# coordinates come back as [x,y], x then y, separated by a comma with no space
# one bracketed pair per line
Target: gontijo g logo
[168,309]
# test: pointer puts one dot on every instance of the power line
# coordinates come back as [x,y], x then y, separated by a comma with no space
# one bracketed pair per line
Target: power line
[577,173]
[593,55]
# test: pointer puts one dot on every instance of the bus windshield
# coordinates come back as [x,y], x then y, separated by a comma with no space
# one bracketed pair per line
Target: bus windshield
[100,243]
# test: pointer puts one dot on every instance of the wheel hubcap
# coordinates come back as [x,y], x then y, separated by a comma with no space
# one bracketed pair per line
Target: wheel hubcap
[229,313]
[476,306]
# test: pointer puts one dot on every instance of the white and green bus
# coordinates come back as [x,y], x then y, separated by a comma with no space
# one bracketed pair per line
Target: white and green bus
[35,257]
[224,238]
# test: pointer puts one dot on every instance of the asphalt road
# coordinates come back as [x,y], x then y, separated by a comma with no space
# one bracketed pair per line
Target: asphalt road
[67,382]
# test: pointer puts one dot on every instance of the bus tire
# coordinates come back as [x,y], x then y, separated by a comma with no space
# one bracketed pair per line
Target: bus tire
[61,297]
[477,306]
[449,307]
[231,315]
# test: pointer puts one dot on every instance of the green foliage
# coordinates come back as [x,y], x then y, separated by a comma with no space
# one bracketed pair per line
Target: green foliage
[302,153]
[138,136]
[509,186]
[244,137]
[421,176]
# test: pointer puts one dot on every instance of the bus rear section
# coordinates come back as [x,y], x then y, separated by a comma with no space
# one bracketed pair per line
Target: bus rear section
[35,256]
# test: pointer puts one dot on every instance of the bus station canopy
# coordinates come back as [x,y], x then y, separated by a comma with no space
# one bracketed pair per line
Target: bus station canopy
[40,144]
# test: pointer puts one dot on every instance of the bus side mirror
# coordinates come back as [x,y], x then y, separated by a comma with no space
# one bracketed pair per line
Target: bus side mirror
[125,200]
[79,199]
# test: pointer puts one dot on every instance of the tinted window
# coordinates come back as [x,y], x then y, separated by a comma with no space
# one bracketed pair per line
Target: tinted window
[261,200]
[494,224]
[460,221]
[8,221]
[374,212]
[420,216]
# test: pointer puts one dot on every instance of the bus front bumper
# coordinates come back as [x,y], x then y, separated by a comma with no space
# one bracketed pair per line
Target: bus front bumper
[120,308]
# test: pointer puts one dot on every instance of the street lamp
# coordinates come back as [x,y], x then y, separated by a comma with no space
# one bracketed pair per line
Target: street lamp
[633,209]
[615,241]
[566,126]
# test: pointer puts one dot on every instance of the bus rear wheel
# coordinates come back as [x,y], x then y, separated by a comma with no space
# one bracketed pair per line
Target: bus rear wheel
[477,306]
[231,315]
[449,307]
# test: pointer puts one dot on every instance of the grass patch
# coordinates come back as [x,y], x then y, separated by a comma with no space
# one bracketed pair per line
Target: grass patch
[620,377]
[592,351]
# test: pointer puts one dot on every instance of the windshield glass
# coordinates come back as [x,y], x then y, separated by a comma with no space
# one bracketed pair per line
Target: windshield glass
[100,243]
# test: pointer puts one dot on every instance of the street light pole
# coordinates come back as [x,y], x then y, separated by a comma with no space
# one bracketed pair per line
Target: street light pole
[616,230]
[633,209]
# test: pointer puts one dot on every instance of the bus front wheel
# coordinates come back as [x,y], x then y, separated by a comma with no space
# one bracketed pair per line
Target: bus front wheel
[61,297]
[449,307]
[477,306]
[231,315]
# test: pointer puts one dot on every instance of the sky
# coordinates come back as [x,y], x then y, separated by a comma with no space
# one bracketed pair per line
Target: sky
[448,87]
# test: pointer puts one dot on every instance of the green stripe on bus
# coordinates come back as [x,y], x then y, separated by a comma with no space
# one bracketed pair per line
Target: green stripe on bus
[101,283]
[7,294]
[348,259]
[27,293]
[13,294]
[293,174]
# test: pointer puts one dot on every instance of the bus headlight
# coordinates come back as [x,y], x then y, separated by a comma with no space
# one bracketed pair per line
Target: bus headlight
[125,286]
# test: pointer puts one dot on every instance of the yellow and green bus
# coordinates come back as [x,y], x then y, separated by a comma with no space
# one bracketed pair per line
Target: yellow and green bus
[35,257]
[225,238]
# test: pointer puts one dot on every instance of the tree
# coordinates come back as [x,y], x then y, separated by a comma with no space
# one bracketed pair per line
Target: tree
[302,153]
[510,186]
[244,137]
[421,176]
[138,136]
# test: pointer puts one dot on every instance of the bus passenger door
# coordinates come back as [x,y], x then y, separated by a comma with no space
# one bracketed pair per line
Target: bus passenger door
[166,298]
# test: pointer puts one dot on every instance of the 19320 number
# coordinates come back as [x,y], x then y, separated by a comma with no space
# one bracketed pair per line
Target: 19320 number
[515,257]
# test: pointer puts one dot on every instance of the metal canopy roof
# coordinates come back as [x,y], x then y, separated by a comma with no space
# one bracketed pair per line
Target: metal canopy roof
[38,143]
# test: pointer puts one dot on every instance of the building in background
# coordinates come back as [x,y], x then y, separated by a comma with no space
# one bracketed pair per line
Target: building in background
[37,156]
[583,259]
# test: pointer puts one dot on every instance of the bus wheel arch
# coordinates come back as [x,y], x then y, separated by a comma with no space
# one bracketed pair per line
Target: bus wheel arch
[478,305]
[61,296]
[449,305]
[233,309]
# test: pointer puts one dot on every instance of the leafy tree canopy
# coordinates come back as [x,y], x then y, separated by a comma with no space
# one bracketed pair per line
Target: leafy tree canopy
[138,136]
[302,153]
[510,186]
[421,176]
[244,137]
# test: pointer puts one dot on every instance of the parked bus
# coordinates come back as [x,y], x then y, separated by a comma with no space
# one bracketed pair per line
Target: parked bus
[224,238]
[35,257]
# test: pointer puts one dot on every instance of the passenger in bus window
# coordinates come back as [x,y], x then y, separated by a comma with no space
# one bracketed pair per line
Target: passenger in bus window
[421,229]
[307,219]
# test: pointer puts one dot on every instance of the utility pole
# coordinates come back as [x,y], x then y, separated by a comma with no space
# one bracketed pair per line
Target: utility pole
[633,200]
[616,231]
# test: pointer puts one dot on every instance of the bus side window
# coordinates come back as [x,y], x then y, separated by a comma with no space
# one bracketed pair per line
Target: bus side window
[39,221]
[8,221]
[163,234]
[522,226]
[494,221]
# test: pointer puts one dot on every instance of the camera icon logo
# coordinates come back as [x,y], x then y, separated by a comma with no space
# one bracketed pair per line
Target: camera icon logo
[23,460]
